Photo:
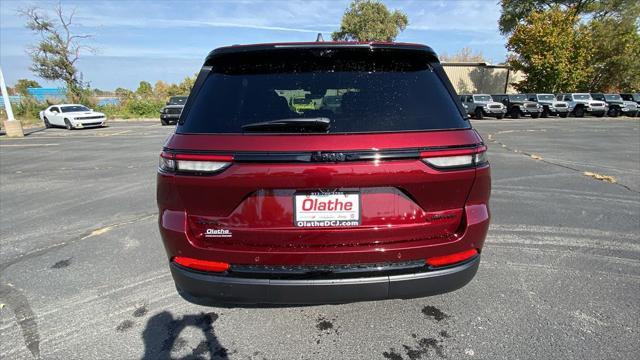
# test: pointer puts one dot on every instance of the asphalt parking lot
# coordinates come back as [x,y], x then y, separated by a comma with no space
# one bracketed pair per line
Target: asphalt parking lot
[83,273]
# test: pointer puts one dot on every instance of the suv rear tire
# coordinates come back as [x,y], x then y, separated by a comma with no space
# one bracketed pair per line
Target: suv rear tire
[579,112]
[478,113]
[514,113]
[545,112]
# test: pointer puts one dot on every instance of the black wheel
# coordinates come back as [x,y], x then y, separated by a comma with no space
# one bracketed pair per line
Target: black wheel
[46,123]
[545,112]
[614,112]
[499,116]
[515,113]
[535,115]
[478,113]
[67,124]
[564,115]
[579,112]
[164,123]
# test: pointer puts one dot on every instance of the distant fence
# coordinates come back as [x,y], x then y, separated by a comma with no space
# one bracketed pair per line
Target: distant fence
[14,99]
[467,77]
[42,94]
[56,95]
[108,100]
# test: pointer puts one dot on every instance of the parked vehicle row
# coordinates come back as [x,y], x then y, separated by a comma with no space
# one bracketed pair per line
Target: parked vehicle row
[545,105]
[616,105]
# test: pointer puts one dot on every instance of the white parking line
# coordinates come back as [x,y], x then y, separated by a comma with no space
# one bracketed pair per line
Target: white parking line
[5,145]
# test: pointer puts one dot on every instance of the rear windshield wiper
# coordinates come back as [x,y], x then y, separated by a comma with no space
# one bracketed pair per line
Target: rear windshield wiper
[319,124]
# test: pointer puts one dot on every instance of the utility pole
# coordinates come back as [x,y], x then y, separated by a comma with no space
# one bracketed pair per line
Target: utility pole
[11,125]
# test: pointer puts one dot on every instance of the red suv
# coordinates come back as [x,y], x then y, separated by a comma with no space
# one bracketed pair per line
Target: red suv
[381,192]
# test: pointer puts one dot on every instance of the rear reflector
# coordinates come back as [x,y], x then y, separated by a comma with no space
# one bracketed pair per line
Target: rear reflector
[194,163]
[452,258]
[203,265]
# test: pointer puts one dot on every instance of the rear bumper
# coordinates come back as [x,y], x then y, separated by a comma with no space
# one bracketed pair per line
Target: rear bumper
[209,288]
[494,112]
[170,117]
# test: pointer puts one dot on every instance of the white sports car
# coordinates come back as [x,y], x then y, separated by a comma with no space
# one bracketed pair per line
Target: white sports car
[72,116]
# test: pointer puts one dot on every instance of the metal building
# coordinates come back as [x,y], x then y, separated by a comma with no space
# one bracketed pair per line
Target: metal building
[474,77]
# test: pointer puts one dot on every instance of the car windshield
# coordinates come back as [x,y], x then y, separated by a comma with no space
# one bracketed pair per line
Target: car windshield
[581,97]
[636,97]
[74,108]
[517,97]
[613,97]
[356,91]
[177,100]
[482,98]
[546,97]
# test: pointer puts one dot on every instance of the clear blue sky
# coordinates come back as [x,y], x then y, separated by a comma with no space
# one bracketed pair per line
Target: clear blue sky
[168,40]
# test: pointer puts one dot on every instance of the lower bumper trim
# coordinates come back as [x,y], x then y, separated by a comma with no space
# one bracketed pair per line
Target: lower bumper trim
[211,289]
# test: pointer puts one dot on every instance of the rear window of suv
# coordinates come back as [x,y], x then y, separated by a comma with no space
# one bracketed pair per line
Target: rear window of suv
[355,90]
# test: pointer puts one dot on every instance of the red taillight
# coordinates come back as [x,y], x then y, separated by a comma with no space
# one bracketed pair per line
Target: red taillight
[203,265]
[194,163]
[456,158]
[452,258]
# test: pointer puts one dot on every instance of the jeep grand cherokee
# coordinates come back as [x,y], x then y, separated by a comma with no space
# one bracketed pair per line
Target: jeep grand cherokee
[382,194]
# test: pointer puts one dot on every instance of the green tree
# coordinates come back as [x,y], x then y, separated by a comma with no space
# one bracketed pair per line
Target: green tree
[123,93]
[612,28]
[616,58]
[144,89]
[54,57]
[184,88]
[553,50]
[370,20]
[22,85]
[515,11]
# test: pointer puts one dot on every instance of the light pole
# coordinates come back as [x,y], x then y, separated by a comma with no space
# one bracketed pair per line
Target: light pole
[11,125]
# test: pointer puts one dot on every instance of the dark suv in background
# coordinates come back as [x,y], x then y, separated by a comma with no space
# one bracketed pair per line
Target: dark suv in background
[518,105]
[170,114]
[635,97]
[550,106]
[378,190]
[616,105]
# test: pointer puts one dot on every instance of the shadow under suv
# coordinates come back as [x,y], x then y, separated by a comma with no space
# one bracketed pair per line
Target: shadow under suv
[383,194]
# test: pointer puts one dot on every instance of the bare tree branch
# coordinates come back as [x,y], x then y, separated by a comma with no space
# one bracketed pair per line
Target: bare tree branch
[55,55]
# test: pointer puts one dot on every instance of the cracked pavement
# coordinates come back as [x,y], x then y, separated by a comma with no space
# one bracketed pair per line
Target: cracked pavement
[83,273]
